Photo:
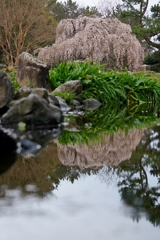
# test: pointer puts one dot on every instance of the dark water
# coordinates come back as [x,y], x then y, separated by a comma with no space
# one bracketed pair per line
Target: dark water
[107,190]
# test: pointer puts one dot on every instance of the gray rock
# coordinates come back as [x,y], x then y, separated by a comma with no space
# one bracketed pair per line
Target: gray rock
[32,72]
[53,100]
[41,92]
[26,91]
[23,92]
[6,89]
[3,66]
[33,111]
[91,104]
[73,87]
[63,105]
[75,105]
[144,68]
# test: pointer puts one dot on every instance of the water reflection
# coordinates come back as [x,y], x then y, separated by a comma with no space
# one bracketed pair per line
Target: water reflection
[140,178]
[105,183]
[28,142]
[110,151]
[7,152]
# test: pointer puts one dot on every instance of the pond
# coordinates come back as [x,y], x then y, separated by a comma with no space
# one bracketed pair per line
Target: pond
[106,186]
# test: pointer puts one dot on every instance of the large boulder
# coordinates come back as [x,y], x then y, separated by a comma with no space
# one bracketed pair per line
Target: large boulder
[32,72]
[26,91]
[104,40]
[73,87]
[33,111]
[6,89]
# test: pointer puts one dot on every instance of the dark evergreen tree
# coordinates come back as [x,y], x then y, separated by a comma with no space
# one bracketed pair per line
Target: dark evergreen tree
[69,9]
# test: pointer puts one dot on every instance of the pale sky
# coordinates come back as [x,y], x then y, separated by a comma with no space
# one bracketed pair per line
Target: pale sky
[96,2]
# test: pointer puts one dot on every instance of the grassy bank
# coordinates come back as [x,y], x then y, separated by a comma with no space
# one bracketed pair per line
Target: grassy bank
[111,87]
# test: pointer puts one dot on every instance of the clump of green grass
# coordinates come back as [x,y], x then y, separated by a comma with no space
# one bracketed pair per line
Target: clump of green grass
[73,71]
[68,97]
[10,71]
[13,78]
[108,86]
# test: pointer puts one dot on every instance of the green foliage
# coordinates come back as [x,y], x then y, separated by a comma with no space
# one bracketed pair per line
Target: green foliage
[72,71]
[150,59]
[69,9]
[13,78]
[110,120]
[135,176]
[156,67]
[68,97]
[145,26]
[153,60]
[109,87]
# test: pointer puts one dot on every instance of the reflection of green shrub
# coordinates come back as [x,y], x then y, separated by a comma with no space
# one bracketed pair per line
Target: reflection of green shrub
[108,87]
[110,120]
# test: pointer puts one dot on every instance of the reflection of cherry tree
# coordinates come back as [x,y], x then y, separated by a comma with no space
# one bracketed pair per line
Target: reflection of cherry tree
[135,187]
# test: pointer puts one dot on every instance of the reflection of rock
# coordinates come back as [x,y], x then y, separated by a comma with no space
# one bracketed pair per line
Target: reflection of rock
[74,124]
[113,150]
[33,171]
[26,91]
[8,149]
[33,142]
[30,142]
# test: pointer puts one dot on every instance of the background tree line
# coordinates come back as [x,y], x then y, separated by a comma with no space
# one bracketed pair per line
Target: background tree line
[27,25]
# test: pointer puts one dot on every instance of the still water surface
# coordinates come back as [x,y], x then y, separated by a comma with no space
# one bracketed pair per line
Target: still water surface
[63,194]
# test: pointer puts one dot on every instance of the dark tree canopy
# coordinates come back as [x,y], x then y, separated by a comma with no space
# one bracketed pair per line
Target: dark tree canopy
[69,9]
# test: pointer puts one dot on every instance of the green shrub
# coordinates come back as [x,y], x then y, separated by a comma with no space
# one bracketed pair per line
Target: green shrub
[155,67]
[68,97]
[153,60]
[150,60]
[72,71]
[13,78]
[107,87]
